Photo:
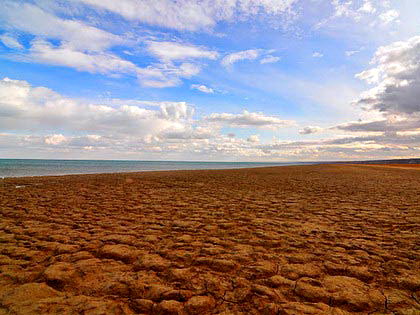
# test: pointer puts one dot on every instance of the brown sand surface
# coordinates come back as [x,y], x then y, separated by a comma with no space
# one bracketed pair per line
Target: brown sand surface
[322,239]
[403,166]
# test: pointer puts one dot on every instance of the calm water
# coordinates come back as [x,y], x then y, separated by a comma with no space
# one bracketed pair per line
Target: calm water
[26,167]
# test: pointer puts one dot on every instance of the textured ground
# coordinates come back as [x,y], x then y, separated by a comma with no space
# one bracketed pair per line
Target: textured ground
[327,239]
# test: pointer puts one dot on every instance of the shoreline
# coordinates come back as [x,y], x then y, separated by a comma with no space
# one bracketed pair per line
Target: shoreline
[162,170]
[389,165]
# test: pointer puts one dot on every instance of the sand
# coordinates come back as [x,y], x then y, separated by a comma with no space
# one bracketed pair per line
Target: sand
[322,239]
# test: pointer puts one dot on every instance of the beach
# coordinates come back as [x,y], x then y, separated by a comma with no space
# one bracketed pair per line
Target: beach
[315,239]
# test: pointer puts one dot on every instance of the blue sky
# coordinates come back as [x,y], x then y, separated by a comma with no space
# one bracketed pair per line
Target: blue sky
[263,80]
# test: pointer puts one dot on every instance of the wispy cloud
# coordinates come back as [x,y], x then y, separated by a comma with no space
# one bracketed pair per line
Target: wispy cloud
[27,17]
[248,119]
[169,51]
[190,15]
[317,54]
[232,58]
[269,59]
[350,53]
[10,41]
[202,88]
[309,130]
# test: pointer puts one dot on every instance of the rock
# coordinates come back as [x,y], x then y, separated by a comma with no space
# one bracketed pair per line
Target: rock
[361,273]
[278,281]
[262,269]
[221,265]
[210,250]
[115,287]
[152,261]
[27,293]
[59,273]
[265,291]
[143,305]
[151,238]
[335,269]
[311,290]
[122,239]
[17,274]
[300,258]
[295,271]
[185,238]
[298,308]
[180,274]
[352,294]
[80,256]
[271,309]
[200,305]
[398,299]
[88,265]
[84,305]
[183,224]
[177,295]
[118,252]
[155,292]
[66,248]
[409,281]
[169,308]
[65,304]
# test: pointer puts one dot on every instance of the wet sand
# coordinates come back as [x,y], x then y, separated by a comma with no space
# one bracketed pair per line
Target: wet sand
[320,239]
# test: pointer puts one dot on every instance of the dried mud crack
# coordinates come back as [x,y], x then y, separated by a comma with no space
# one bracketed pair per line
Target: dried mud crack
[326,239]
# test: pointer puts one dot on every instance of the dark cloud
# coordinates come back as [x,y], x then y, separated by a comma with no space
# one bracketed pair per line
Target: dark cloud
[397,79]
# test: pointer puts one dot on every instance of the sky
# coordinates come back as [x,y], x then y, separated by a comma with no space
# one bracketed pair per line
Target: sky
[210,80]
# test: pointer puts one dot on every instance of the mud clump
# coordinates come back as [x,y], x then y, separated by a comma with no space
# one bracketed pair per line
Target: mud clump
[320,239]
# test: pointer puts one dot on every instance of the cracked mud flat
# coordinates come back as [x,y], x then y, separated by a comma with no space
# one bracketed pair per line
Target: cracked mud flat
[326,239]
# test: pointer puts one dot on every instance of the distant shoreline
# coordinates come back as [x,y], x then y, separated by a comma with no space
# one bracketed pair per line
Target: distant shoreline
[386,161]
[11,168]
[258,165]
[33,168]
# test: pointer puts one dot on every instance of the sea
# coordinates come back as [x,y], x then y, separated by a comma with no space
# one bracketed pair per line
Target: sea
[38,167]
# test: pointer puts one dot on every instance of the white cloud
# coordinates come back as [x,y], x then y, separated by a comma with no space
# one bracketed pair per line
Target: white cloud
[393,102]
[248,119]
[213,146]
[55,139]
[198,133]
[253,139]
[158,75]
[169,51]
[389,16]
[167,75]
[341,8]
[397,79]
[389,124]
[29,18]
[269,59]
[65,55]
[87,48]
[365,21]
[317,54]
[10,42]
[39,109]
[309,130]
[367,7]
[350,53]
[202,88]
[191,15]
[250,54]
[349,9]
